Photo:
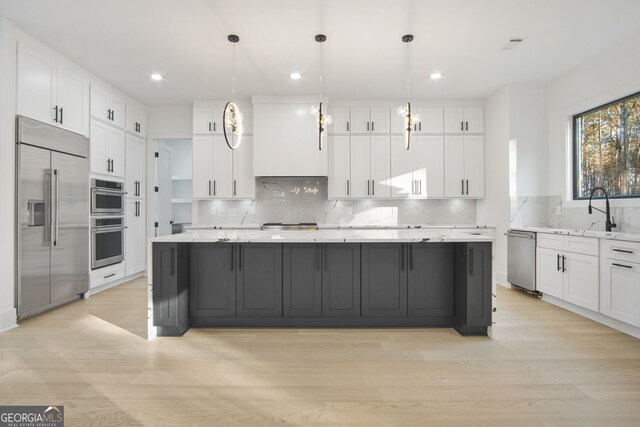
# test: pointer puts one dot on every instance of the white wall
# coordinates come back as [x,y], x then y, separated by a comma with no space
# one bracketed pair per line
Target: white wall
[7,172]
[528,126]
[495,208]
[611,75]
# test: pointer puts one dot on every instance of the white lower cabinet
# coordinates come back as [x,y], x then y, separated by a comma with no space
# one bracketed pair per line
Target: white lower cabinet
[570,276]
[134,238]
[620,281]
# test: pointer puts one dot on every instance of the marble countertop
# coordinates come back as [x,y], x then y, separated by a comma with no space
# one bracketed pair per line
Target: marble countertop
[352,227]
[324,236]
[631,237]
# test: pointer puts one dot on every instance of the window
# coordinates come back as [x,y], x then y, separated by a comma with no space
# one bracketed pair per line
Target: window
[606,149]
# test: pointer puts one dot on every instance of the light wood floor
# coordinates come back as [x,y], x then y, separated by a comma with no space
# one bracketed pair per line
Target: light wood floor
[546,366]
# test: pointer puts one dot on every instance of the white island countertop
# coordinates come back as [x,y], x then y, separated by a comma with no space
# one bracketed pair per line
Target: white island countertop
[325,236]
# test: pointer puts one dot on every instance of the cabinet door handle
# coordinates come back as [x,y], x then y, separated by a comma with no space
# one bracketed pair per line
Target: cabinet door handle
[467,187]
[232,252]
[214,126]
[558,263]
[61,115]
[373,187]
[108,165]
[324,261]
[347,126]
[564,258]
[621,265]
[420,126]
[109,114]
[471,261]
[234,187]
[56,117]
[420,187]
[348,189]
[214,187]
[467,125]
[413,187]
[367,126]
[209,126]
[209,187]
[373,126]
[411,257]
[173,253]
[368,188]
[462,126]
[462,182]
[624,251]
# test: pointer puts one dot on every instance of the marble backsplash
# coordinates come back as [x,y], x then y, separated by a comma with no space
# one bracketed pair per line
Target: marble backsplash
[305,200]
[547,211]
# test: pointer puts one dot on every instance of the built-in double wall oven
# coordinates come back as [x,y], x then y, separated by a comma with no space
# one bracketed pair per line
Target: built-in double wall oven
[107,223]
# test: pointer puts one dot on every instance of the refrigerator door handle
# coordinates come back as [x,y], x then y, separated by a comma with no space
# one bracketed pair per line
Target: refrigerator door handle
[48,234]
[57,206]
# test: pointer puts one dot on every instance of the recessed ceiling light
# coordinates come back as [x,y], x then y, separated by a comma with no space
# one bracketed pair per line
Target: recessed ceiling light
[435,76]
[295,76]
[157,77]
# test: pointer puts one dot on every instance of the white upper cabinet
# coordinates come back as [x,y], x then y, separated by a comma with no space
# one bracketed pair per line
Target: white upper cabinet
[380,166]
[463,120]
[431,121]
[208,119]
[370,120]
[202,166]
[136,121]
[107,150]
[464,166]
[339,181]
[219,172]
[340,123]
[107,107]
[135,166]
[244,182]
[51,93]
[360,166]
[419,171]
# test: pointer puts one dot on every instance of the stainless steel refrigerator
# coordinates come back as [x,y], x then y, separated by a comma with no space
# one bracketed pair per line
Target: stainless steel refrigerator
[52,216]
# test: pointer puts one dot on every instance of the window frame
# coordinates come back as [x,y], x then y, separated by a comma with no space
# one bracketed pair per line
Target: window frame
[574,152]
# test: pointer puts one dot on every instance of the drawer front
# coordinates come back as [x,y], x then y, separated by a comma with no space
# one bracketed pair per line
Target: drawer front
[581,245]
[625,251]
[550,241]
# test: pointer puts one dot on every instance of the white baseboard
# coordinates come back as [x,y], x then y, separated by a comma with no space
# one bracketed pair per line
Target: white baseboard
[110,285]
[592,315]
[501,278]
[8,319]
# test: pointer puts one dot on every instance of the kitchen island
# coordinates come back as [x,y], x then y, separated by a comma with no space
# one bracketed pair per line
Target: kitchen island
[321,278]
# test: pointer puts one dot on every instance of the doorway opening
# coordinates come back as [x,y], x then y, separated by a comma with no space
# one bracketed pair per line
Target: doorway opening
[173,195]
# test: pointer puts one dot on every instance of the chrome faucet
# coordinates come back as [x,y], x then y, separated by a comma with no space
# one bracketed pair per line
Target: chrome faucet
[609,224]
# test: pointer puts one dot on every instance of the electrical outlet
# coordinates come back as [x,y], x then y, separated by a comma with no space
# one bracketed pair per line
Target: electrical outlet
[452,210]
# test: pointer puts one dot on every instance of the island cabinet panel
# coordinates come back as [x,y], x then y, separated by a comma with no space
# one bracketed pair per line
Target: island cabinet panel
[472,288]
[302,280]
[430,279]
[170,288]
[384,279]
[259,280]
[212,280]
[341,280]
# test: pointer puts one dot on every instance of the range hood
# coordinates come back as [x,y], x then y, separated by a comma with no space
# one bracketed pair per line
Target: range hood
[285,139]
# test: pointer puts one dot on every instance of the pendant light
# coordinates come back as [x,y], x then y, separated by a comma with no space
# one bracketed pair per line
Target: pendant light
[232,117]
[322,119]
[409,119]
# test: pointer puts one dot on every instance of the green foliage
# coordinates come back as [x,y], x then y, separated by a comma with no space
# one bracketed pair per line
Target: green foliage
[608,149]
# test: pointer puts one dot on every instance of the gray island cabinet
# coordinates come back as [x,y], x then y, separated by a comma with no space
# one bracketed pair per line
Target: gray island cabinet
[311,284]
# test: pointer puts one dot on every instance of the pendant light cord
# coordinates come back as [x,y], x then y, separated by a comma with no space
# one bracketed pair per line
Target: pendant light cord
[233,67]
[320,71]
[408,73]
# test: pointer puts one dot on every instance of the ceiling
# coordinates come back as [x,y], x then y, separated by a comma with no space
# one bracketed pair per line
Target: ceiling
[123,41]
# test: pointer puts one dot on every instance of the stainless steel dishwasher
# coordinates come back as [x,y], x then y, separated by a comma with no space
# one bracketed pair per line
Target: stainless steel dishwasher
[521,259]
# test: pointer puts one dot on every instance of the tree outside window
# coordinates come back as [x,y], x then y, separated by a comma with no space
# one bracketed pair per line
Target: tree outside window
[606,149]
